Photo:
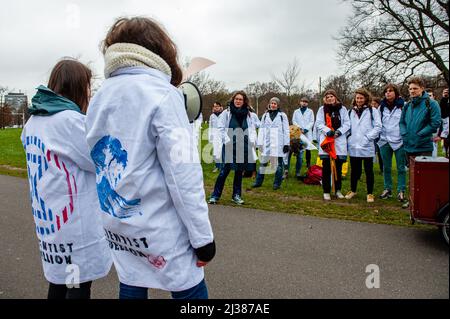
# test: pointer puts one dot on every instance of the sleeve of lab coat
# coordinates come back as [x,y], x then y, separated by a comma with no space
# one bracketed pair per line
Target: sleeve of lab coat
[322,128]
[294,119]
[310,123]
[345,121]
[286,137]
[184,178]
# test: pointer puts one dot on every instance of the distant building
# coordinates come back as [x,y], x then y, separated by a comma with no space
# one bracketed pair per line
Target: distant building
[16,101]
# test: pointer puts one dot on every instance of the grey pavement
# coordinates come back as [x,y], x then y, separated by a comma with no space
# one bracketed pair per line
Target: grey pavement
[259,255]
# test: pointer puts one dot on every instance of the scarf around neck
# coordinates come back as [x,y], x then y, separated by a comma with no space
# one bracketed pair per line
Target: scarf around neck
[240,113]
[359,111]
[122,55]
[398,102]
[335,113]
[273,113]
[303,109]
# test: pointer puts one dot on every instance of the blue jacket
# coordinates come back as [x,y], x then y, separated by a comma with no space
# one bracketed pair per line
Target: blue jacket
[418,122]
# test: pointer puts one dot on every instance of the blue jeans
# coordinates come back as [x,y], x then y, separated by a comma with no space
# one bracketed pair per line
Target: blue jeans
[220,182]
[386,153]
[278,173]
[197,292]
[298,164]
[220,162]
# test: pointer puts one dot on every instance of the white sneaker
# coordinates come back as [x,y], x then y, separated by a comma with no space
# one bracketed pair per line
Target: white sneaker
[350,195]
[339,195]
[326,196]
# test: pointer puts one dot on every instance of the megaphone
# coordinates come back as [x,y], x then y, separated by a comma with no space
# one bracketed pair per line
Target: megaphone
[192,100]
[191,93]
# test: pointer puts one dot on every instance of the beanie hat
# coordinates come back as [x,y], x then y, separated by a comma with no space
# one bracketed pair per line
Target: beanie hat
[331,92]
[276,100]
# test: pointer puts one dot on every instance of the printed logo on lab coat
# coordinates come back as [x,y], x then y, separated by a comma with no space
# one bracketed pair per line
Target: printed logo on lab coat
[49,220]
[110,160]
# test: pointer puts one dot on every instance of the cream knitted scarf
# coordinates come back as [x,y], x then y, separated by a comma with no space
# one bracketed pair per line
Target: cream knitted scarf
[120,55]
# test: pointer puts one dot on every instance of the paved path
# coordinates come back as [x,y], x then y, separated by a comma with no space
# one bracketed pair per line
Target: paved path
[260,255]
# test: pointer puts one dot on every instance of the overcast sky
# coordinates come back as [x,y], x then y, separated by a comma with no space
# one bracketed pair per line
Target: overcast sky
[248,39]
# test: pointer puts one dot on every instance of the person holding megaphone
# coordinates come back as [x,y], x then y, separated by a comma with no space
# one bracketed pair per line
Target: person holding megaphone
[153,202]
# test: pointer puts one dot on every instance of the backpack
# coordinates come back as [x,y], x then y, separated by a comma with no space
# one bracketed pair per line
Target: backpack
[313,175]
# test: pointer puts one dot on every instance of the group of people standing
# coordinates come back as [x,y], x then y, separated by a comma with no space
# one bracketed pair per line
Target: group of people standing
[105,187]
[390,127]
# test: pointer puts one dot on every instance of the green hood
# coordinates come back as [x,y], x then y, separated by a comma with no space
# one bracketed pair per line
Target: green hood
[46,103]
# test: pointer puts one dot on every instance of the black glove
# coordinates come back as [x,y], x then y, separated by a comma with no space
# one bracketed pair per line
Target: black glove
[207,252]
[338,133]
[286,149]
[330,133]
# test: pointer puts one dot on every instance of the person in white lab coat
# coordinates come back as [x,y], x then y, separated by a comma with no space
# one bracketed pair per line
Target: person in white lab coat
[214,135]
[273,141]
[391,141]
[238,130]
[365,128]
[304,118]
[149,178]
[62,184]
[340,126]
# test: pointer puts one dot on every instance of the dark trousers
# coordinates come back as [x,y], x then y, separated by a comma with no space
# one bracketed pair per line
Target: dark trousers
[326,174]
[356,164]
[63,292]
[308,158]
[278,173]
[220,182]
[380,159]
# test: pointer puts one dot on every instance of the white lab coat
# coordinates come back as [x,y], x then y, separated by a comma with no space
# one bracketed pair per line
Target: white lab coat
[364,131]
[63,198]
[149,178]
[197,129]
[390,132]
[322,129]
[444,133]
[304,121]
[273,135]
[214,136]
[252,124]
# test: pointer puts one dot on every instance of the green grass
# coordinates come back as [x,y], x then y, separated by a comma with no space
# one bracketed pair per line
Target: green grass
[294,197]
[11,149]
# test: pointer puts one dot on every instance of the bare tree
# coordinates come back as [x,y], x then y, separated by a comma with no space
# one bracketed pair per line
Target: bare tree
[396,38]
[3,109]
[287,81]
[206,84]
[344,87]
[258,89]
